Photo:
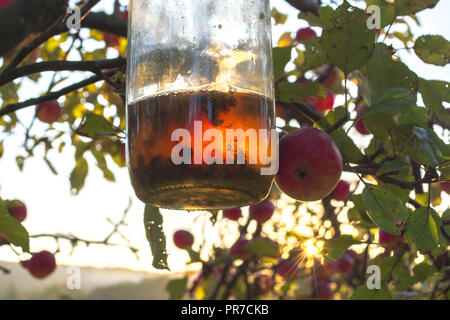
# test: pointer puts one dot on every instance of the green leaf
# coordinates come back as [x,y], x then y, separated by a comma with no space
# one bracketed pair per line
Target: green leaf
[95,126]
[177,288]
[153,223]
[20,160]
[262,247]
[392,166]
[101,163]
[433,49]
[364,293]
[281,57]
[1,149]
[424,229]
[382,72]
[385,208]
[418,116]
[13,230]
[213,218]
[392,101]
[292,92]
[335,247]
[78,175]
[347,41]
[408,7]
[387,11]
[50,166]
[278,17]
[320,20]
[312,57]
[434,94]
[349,151]
[427,148]
[424,270]
[358,213]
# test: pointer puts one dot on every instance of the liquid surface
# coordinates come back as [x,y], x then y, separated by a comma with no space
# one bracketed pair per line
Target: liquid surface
[160,182]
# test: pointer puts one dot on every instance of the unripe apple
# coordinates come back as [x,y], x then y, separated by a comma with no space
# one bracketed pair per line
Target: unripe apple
[17,209]
[387,239]
[49,111]
[324,290]
[341,191]
[445,186]
[232,214]
[323,103]
[304,34]
[183,239]
[359,124]
[237,249]
[287,269]
[262,211]
[41,264]
[310,164]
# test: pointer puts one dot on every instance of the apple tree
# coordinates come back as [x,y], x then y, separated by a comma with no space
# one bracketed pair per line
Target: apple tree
[359,207]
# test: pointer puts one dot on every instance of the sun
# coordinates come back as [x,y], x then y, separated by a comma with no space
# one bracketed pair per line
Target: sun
[312,249]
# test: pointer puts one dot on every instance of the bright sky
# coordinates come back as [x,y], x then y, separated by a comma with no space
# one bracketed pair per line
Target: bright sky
[52,209]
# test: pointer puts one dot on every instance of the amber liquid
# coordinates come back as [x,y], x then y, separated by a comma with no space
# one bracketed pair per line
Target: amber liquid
[159,182]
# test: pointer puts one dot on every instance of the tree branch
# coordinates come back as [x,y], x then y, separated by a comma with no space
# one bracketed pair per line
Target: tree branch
[61,65]
[53,95]
[385,178]
[58,27]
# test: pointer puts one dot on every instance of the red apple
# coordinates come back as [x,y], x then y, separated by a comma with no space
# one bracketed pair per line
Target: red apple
[327,269]
[183,239]
[237,250]
[112,40]
[262,211]
[24,263]
[341,191]
[359,124]
[232,214]
[124,15]
[279,111]
[304,34]
[263,283]
[41,264]
[287,269]
[310,164]
[17,209]
[445,186]
[49,111]
[387,239]
[4,3]
[345,263]
[323,103]
[2,238]
[329,82]
[324,290]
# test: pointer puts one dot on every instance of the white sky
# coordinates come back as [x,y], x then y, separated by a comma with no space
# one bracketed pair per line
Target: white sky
[52,209]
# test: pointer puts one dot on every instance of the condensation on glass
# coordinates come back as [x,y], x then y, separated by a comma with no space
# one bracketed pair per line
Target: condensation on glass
[191,61]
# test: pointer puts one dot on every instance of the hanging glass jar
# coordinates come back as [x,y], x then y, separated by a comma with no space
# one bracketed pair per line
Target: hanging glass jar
[200,110]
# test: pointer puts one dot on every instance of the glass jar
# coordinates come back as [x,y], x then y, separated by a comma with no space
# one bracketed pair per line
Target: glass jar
[196,65]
